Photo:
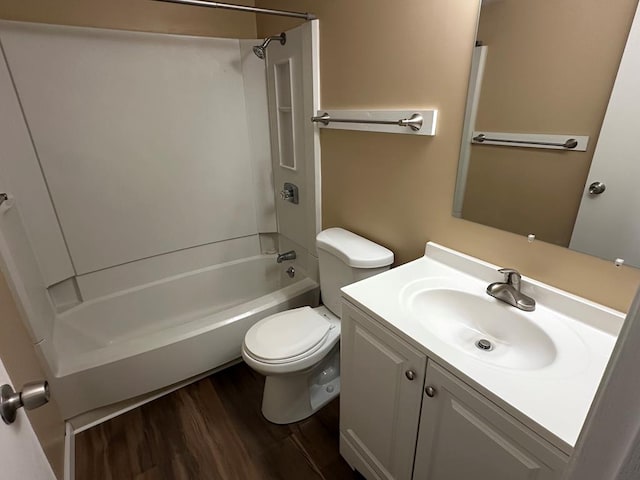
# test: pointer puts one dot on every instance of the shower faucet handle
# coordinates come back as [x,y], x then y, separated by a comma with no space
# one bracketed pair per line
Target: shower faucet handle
[289,193]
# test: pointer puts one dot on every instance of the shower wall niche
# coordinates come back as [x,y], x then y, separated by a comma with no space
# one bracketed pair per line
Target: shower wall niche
[150,153]
[284,102]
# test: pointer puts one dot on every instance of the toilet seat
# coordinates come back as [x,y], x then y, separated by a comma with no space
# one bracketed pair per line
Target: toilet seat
[287,336]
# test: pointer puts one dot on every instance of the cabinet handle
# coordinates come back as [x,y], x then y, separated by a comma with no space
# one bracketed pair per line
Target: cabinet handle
[430,391]
[410,374]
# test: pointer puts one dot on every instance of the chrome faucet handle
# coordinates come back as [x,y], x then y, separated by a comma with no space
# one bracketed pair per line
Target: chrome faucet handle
[289,193]
[511,277]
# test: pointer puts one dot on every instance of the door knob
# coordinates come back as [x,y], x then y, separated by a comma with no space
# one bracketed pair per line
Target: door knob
[430,391]
[410,374]
[596,188]
[33,395]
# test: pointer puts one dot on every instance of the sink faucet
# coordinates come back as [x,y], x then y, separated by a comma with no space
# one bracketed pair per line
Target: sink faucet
[509,291]
[290,255]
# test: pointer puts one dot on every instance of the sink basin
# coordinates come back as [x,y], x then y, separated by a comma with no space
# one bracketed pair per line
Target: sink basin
[490,330]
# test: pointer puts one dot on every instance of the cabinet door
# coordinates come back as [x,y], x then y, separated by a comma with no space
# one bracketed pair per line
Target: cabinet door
[464,436]
[381,391]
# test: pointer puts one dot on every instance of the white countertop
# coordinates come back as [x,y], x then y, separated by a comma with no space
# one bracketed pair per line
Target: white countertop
[552,400]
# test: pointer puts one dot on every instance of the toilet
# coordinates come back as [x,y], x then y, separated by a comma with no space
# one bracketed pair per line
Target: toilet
[298,350]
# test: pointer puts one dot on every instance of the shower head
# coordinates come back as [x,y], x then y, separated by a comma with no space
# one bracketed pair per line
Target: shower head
[261,50]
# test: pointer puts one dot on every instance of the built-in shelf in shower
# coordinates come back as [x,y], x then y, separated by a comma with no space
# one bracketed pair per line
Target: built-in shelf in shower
[284,102]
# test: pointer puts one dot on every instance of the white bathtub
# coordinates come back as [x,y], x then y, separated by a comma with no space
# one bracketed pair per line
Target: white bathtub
[138,340]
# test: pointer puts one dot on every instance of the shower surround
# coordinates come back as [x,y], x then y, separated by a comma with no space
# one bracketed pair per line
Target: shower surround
[142,223]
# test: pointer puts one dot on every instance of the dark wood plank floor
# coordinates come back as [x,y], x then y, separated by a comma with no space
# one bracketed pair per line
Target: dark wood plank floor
[212,429]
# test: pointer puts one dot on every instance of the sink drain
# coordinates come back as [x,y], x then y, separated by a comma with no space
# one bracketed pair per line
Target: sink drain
[484,345]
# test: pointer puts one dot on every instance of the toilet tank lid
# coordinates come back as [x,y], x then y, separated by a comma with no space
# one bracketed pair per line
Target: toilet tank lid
[353,249]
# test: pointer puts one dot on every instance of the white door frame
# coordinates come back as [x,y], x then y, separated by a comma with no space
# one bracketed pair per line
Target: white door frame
[608,447]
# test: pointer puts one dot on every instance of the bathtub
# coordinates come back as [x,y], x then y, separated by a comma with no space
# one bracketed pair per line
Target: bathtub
[145,338]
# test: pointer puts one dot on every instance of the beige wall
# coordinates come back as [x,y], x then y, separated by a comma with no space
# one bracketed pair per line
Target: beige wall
[140,15]
[548,70]
[19,358]
[398,189]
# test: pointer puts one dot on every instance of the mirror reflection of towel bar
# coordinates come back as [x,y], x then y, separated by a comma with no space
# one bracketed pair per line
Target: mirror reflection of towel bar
[570,143]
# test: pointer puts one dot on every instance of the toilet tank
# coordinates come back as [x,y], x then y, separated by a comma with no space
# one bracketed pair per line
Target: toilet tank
[345,258]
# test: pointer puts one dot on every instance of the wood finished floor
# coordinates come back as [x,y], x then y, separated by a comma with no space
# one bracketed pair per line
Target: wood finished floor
[212,429]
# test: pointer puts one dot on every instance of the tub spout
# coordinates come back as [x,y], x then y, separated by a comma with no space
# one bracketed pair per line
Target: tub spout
[290,255]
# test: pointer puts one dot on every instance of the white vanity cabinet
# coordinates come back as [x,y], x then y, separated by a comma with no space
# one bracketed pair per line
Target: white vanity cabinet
[382,380]
[404,419]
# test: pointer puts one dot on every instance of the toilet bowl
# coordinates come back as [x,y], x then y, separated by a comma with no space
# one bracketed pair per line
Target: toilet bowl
[301,369]
[298,350]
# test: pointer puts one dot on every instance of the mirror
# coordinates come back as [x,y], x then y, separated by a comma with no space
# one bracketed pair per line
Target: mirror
[543,73]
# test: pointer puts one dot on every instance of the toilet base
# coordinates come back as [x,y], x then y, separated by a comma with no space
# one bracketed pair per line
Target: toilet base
[294,397]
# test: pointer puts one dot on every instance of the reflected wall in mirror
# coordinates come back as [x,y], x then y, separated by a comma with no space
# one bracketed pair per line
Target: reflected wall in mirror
[549,67]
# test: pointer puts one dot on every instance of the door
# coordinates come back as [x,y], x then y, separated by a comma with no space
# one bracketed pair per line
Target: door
[20,453]
[292,86]
[381,393]
[607,223]
[465,436]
